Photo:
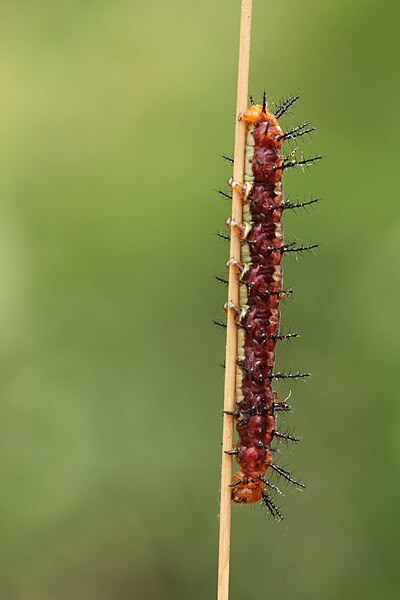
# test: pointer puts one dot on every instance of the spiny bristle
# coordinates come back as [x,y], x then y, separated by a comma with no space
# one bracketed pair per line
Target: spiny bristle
[285,336]
[270,485]
[234,483]
[282,293]
[219,324]
[223,236]
[301,248]
[296,132]
[290,248]
[233,413]
[282,407]
[289,375]
[298,163]
[269,503]
[264,102]
[294,205]
[221,279]
[224,194]
[285,105]
[286,475]
[286,436]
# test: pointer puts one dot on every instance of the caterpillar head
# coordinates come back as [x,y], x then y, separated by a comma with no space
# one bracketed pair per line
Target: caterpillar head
[246,490]
[252,114]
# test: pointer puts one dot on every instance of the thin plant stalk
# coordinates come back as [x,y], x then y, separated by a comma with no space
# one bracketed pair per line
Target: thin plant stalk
[233,296]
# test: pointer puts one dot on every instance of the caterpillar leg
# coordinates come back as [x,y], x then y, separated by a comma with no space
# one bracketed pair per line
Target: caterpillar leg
[241,268]
[242,188]
[237,311]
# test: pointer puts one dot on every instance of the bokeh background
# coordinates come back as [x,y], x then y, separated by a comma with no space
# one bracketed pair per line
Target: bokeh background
[113,117]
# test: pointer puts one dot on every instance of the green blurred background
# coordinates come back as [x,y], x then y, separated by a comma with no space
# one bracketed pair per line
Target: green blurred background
[113,115]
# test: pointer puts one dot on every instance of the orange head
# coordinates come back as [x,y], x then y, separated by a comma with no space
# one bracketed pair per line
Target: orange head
[246,490]
[252,114]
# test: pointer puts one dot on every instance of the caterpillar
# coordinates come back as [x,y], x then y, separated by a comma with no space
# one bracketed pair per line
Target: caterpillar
[257,317]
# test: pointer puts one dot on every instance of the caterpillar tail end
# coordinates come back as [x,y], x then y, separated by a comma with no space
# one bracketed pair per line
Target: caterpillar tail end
[245,490]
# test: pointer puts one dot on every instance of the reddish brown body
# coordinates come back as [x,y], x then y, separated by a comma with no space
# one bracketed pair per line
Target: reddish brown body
[256,423]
